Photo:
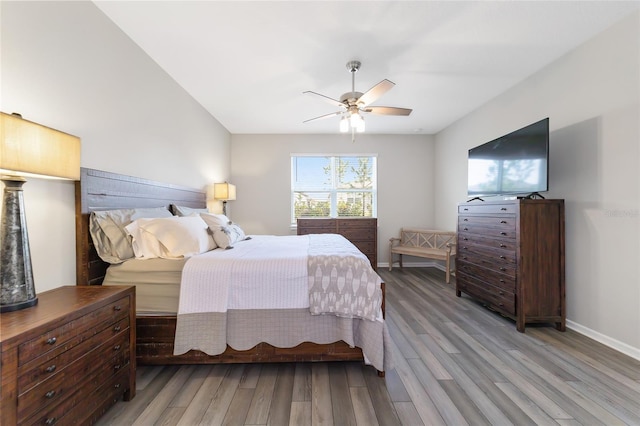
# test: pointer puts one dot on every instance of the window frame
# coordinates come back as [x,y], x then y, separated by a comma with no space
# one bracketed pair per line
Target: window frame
[334,190]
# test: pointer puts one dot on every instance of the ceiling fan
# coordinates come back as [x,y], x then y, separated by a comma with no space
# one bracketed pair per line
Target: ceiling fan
[352,104]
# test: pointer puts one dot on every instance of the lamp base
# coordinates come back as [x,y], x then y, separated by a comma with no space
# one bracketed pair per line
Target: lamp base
[20,305]
[17,290]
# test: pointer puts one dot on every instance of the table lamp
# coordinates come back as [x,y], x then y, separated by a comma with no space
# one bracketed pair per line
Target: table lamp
[225,192]
[27,149]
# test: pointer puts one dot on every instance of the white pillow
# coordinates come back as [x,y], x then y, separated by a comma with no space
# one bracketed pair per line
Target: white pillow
[214,221]
[226,236]
[170,238]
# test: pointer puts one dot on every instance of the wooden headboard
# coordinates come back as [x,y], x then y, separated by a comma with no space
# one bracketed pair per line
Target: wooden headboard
[98,190]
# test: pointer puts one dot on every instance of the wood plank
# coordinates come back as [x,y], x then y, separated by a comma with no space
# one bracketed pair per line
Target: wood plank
[341,403]
[202,399]
[261,402]
[280,409]
[300,413]
[219,405]
[321,409]
[239,407]
[364,414]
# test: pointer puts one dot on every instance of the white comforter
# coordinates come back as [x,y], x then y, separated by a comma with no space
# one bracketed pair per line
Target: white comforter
[266,272]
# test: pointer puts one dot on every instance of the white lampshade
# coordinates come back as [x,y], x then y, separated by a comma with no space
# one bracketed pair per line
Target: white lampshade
[224,191]
[31,149]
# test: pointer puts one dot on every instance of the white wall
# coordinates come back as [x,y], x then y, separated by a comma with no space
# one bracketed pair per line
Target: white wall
[67,66]
[592,98]
[261,171]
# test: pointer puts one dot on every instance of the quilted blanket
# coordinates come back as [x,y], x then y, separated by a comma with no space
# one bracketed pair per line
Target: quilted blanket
[341,280]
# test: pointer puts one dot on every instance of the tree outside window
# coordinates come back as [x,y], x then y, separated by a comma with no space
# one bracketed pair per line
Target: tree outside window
[333,186]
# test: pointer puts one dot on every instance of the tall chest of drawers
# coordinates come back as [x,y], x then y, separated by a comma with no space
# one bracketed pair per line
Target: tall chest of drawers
[70,357]
[511,258]
[362,232]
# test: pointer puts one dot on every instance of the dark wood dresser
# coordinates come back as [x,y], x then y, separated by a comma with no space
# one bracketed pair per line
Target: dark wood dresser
[362,232]
[511,258]
[70,357]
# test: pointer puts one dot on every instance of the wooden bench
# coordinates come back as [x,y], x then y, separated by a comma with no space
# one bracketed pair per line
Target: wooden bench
[427,243]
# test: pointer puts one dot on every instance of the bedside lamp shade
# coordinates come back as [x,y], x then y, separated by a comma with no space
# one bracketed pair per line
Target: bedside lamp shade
[225,192]
[27,149]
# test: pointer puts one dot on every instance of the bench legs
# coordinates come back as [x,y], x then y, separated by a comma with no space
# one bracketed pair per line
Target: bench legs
[391,261]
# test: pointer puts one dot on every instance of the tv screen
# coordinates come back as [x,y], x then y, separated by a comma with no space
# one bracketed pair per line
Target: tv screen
[514,164]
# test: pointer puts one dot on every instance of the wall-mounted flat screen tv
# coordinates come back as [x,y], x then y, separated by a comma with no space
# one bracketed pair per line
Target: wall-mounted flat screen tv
[514,164]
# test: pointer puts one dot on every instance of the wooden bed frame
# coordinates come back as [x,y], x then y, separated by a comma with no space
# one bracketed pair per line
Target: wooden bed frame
[98,190]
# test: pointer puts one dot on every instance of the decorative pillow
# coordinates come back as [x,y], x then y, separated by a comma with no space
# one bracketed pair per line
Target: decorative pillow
[226,236]
[214,221]
[170,238]
[110,239]
[185,211]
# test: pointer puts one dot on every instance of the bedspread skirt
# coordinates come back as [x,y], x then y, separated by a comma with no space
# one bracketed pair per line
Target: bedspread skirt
[211,332]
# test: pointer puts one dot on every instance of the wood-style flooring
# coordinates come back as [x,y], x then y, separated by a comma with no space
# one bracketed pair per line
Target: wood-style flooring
[455,363]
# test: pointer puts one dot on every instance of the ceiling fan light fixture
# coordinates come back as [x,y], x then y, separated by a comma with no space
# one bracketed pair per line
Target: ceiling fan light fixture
[344,125]
[357,122]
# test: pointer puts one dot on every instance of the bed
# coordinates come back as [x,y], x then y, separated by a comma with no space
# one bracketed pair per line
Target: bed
[156,328]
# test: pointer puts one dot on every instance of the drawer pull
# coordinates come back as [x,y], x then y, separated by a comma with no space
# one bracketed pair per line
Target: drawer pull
[465,239]
[465,248]
[50,421]
[502,257]
[117,367]
[503,269]
[464,257]
[465,209]
[465,219]
[504,209]
[51,340]
[116,348]
[503,233]
[117,308]
[116,328]
[503,221]
[501,293]
[501,280]
[503,245]
[117,386]
[50,394]
[51,368]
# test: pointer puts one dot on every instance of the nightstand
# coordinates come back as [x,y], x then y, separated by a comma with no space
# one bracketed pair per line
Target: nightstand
[70,357]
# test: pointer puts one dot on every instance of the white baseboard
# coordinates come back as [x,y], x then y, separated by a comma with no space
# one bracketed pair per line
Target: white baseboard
[598,337]
[605,340]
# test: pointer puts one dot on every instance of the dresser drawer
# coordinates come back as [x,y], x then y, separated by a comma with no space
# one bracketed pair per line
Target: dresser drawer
[487,231]
[501,222]
[487,256]
[507,208]
[40,369]
[102,362]
[356,223]
[67,334]
[465,238]
[499,299]
[497,279]
[67,411]
[316,226]
[366,247]
[358,234]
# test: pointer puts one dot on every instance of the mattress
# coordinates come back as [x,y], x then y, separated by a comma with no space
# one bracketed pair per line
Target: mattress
[157,283]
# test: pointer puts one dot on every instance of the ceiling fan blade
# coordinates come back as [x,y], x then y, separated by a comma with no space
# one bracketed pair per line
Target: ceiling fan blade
[332,101]
[383,110]
[375,92]
[333,114]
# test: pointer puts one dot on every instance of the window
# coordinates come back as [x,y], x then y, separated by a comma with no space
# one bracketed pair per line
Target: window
[333,186]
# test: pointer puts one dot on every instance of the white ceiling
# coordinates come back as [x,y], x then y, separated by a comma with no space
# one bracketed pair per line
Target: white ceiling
[248,63]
